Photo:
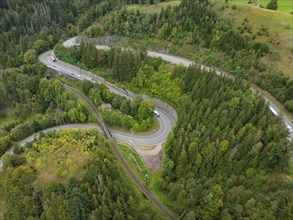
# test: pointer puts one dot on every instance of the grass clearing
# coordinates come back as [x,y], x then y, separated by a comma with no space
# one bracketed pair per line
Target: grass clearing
[136,163]
[152,181]
[171,204]
[283,5]
[62,156]
[154,128]
[146,148]
[279,29]
[155,8]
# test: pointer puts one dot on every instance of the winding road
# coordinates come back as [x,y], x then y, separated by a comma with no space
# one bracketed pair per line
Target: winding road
[167,119]
[185,62]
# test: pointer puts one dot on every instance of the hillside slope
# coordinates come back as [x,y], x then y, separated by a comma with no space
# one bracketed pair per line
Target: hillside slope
[271,27]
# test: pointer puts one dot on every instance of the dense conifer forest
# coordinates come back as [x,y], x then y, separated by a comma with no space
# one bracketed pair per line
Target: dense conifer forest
[228,156]
[197,23]
[227,148]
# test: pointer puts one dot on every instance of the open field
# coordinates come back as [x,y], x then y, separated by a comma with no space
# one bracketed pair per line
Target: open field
[279,29]
[153,129]
[283,5]
[156,8]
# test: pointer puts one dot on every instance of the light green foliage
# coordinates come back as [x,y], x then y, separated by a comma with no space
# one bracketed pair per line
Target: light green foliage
[33,94]
[65,154]
[95,96]
[158,84]
[283,5]
[74,176]
[117,119]
[143,76]
[30,56]
[145,110]
[40,46]
[152,8]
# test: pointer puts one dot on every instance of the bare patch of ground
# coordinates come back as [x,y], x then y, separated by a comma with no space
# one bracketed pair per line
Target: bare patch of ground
[153,161]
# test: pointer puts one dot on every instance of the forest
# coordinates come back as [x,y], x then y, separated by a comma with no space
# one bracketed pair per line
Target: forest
[228,156]
[129,68]
[32,28]
[135,115]
[27,94]
[208,170]
[87,181]
[226,153]
[38,25]
[199,24]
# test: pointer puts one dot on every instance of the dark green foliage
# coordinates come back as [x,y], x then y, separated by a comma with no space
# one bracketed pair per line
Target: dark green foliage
[38,95]
[103,192]
[39,24]
[136,114]
[184,24]
[223,149]
[279,86]
[273,5]
[124,63]
[195,22]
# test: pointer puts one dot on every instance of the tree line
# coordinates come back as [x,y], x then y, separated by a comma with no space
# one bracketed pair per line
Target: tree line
[34,94]
[94,187]
[136,114]
[128,67]
[224,150]
[197,23]
[25,24]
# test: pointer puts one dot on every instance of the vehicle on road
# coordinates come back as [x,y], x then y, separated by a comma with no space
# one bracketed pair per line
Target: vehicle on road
[289,127]
[157,114]
[273,110]
[93,81]
[53,58]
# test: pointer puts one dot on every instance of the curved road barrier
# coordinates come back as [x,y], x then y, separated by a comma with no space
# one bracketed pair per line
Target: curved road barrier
[180,60]
[168,116]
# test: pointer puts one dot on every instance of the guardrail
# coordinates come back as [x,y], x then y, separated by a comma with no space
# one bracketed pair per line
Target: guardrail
[159,104]
[126,166]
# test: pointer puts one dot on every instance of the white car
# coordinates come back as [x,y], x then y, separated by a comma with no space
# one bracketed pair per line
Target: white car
[53,58]
[289,127]
[157,114]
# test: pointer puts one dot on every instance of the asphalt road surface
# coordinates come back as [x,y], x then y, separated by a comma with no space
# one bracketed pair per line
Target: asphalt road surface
[166,121]
[180,60]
